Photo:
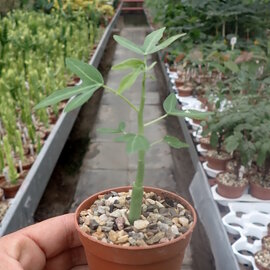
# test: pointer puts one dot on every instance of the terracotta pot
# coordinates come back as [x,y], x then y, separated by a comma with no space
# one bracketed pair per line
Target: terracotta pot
[1,194]
[231,192]
[184,92]
[196,121]
[217,164]
[265,238]
[259,192]
[179,83]
[173,69]
[11,190]
[260,267]
[103,256]
[204,145]
[203,100]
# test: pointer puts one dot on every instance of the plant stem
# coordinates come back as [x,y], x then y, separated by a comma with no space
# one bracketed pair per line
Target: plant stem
[156,142]
[137,190]
[155,120]
[122,97]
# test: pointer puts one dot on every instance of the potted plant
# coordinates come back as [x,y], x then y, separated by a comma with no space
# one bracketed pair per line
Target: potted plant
[123,228]
[13,181]
[262,259]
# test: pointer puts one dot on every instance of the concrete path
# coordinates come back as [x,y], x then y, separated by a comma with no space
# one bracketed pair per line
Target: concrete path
[106,163]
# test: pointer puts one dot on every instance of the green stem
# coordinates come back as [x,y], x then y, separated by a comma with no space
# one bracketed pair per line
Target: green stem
[122,97]
[156,142]
[155,120]
[137,190]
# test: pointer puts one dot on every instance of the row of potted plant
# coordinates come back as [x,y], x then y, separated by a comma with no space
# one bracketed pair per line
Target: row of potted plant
[35,44]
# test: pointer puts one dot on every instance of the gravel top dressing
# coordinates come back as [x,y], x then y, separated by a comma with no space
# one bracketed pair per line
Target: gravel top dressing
[162,220]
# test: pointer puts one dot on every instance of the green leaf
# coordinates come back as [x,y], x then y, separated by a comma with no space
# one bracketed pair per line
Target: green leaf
[118,130]
[125,137]
[166,43]
[169,103]
[261,157]
[214,139]
[152,39]
[64,94]
[128,44]
[88,73]
[78,101]
[231,66]
[129,63]
[128,81]
[231,144]
[192,114]
[169,106]
[137,143]
[175,142]
[134,143]
[151,66]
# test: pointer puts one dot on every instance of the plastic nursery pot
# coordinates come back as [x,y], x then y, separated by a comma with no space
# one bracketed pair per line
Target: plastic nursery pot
[103,256]
[259,191]
[216,163]
[227,191]
[262,255]
[10,190]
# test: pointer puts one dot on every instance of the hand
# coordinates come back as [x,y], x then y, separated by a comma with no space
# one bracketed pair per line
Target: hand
[50,245]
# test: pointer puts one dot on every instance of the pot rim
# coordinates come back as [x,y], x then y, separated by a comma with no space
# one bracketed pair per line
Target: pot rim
[156,246]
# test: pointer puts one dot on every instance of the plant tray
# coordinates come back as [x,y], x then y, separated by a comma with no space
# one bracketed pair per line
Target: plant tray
[252,224]
[201,150]
[210,172]
[246,197]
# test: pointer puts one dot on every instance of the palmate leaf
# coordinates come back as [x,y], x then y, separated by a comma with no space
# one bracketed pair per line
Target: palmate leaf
[92,80]
[128,81]
[152,39]
[134,142]
[166,43]
[169,106]
[133,63]
[150,43]
[128,44]
[78,101]
[64,94]
[88,73]
[120,129]
[175,142]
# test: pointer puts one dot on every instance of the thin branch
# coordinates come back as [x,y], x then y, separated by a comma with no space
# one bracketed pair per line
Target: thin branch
[156,142]
[156,120]
[122,97]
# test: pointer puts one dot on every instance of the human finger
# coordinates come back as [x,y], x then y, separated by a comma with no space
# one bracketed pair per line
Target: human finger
[54,235]
[68,259]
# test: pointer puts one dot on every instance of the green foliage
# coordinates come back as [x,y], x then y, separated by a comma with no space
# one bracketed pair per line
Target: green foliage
[135,142]
[12,172]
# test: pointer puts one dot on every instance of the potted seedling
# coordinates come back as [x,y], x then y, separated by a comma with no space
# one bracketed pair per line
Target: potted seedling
[13,181]
[124,228]
[260,181]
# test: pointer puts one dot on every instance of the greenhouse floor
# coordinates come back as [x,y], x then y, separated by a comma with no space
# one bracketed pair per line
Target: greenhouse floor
[105,163]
